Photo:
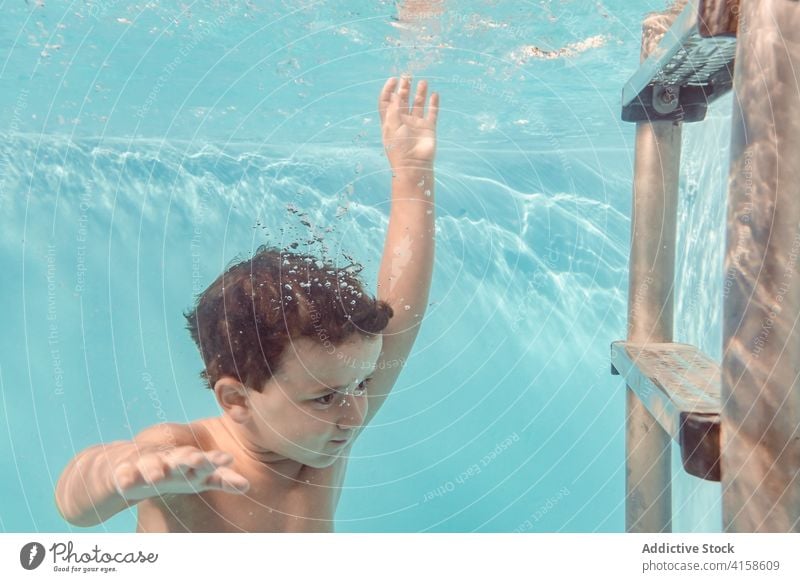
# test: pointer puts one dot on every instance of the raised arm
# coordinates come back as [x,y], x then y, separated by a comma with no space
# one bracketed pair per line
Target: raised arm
[404,280]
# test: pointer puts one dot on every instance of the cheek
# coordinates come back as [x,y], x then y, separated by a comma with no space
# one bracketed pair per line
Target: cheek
[310,423]
[284,421]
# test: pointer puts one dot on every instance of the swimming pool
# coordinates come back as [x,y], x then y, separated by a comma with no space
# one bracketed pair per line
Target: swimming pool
[146,147]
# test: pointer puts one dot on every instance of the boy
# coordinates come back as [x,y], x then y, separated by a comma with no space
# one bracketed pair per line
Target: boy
[300,359]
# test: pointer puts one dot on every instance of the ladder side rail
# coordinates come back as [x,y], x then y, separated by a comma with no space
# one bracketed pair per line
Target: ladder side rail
[760,423]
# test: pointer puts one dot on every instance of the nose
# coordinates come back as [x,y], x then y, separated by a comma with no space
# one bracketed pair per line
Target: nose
[352,411]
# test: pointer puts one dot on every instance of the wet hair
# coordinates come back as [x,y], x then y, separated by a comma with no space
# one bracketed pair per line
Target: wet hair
[245,319]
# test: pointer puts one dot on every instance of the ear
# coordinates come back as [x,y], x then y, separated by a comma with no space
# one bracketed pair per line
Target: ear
[233,398]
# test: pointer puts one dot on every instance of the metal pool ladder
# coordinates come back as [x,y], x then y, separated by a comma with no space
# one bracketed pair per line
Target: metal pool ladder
[737,422]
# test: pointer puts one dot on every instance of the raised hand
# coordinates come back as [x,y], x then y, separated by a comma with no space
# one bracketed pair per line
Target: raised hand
[409,136]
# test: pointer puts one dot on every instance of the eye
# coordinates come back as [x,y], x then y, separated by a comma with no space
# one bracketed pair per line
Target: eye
[362,388]
[327,399]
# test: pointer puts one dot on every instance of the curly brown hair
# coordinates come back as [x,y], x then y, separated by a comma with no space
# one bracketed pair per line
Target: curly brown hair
[245,319]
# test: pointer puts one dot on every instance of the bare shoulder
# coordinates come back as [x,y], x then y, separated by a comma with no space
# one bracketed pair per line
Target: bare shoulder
[173,434]
[172,512]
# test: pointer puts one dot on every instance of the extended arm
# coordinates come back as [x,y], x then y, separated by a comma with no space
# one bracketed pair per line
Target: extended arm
[85,493]
[164,459]
[406,269]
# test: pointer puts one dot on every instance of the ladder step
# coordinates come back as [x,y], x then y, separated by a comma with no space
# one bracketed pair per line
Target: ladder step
[691,66]
[680,386]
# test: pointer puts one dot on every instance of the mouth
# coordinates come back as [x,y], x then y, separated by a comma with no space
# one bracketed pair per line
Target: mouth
[339,442]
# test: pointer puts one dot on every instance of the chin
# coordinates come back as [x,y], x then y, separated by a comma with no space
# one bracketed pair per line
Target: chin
[322,462]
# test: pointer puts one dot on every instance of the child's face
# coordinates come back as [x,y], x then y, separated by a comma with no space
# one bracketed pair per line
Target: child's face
[299,414]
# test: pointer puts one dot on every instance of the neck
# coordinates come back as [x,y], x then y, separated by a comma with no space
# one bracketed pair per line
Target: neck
[268,463]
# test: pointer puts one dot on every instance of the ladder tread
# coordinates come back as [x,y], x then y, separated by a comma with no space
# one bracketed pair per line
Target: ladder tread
[681,387]
[694,58]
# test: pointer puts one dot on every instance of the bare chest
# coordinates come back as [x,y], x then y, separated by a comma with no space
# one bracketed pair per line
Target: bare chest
[306,506]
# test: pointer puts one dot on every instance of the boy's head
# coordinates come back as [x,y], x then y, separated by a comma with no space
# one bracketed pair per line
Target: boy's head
[276,333]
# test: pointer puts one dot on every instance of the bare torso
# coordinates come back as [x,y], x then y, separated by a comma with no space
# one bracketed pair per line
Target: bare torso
[304,504]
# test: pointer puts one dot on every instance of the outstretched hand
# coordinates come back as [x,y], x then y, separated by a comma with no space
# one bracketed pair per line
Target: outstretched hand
[184,469]
[409,136]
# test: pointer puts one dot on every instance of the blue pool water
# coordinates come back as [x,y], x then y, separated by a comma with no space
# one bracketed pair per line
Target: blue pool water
[145,147]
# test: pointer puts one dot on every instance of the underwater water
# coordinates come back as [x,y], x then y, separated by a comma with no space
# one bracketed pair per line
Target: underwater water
[148,145]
